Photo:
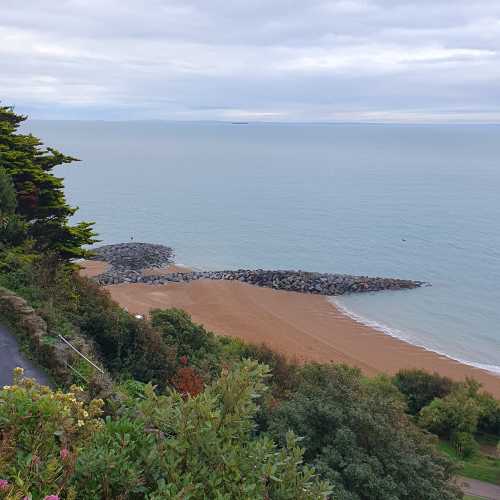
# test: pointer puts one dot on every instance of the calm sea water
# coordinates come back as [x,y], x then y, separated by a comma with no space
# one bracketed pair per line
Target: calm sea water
[419,202]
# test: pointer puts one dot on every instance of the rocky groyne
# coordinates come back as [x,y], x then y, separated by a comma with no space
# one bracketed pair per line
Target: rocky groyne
[129,260]
[134,256]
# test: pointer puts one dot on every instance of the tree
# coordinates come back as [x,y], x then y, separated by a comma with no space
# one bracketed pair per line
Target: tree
[39,193]
[357,435]
[191,341]
[457,412]
[12,227]
[8,200]
[420,387]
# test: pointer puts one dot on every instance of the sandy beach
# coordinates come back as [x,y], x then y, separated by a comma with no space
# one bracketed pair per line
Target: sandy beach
[304,327]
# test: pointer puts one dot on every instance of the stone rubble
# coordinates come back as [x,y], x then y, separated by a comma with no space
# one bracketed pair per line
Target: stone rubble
[128,260]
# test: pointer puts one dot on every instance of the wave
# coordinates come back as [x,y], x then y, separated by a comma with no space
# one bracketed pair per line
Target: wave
[400,335]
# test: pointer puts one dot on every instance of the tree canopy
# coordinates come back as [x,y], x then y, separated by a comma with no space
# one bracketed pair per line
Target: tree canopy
[358,437]
[40,198]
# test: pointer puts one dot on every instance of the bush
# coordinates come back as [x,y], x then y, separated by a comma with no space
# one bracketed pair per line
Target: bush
[156,447]
[194,448]
[489,414]
[128,346]
[420,387]
[117,463]
[358,436]
[41,434]
[285,373]
[188,382]
[464,444]
[456,413]
[191,341]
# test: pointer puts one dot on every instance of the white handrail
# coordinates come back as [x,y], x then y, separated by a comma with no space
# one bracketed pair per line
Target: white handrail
[82,355]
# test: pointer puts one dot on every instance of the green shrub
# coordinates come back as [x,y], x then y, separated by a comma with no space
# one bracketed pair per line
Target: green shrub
[285,373]
[117,463]
[129,347]
[358,436]
[456,413]
[489,414]
[192,342]
[420,387]
[464,443]
[194,448]
[41,434]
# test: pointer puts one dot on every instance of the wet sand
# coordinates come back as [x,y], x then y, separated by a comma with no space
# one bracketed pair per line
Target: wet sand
[91,268]
[305,327]
[160,271]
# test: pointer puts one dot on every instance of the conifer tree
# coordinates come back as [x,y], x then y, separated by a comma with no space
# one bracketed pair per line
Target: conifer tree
[39,193]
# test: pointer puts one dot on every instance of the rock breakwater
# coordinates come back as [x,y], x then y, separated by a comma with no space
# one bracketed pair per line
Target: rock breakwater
[147,256]
[134,256]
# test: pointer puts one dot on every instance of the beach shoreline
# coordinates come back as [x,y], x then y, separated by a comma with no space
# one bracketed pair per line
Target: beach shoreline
[304,327]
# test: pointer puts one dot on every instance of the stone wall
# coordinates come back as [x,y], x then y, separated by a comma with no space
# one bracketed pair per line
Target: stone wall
[48,350]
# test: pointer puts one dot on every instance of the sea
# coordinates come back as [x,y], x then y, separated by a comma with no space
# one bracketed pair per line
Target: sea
[408,201]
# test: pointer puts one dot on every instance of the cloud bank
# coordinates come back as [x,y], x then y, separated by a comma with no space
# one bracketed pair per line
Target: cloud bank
[273,60]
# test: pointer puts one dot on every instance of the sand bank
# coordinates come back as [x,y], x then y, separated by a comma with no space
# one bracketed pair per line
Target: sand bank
[91,268]
[161,271]
[305,327]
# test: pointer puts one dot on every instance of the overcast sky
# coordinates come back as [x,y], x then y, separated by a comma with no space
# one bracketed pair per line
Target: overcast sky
[267,60]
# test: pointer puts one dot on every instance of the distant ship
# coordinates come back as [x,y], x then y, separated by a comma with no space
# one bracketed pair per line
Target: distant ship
[239,123]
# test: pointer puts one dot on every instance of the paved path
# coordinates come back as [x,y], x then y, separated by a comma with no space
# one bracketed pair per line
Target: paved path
[479,488]
[11,356]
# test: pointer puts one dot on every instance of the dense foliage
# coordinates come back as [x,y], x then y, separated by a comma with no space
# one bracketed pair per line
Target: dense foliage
[420,387]
[190,414]
[357,434]
[157,446]
[12,226]
[460,415]
[40,196]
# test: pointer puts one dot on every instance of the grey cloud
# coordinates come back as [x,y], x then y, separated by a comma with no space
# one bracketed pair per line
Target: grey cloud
[281,59]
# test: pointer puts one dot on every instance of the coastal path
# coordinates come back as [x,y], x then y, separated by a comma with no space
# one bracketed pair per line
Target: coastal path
[11,357]
[479,489]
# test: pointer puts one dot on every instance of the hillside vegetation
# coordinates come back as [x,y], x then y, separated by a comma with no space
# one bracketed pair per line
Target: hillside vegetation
[169,410]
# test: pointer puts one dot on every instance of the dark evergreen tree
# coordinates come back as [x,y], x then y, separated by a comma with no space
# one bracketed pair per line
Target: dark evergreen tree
[357,435]
[12,227]
[39,193]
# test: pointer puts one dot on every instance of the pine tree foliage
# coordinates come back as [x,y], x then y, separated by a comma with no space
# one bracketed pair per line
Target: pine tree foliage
[39,193]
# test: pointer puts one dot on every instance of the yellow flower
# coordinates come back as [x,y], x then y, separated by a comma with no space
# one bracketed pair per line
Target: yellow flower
[80,423]
[85,413]
[18,370]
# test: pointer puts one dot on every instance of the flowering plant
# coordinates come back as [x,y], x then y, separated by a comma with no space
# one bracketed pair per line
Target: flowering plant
[41,434]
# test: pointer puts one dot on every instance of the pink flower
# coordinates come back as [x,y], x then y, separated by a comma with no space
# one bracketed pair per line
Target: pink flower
[64,453]
[51,497]
[4,484]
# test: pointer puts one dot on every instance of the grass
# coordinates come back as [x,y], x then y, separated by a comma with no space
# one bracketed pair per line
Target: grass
[479,467]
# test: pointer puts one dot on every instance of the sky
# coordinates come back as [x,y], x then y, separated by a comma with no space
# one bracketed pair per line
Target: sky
[409,61]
